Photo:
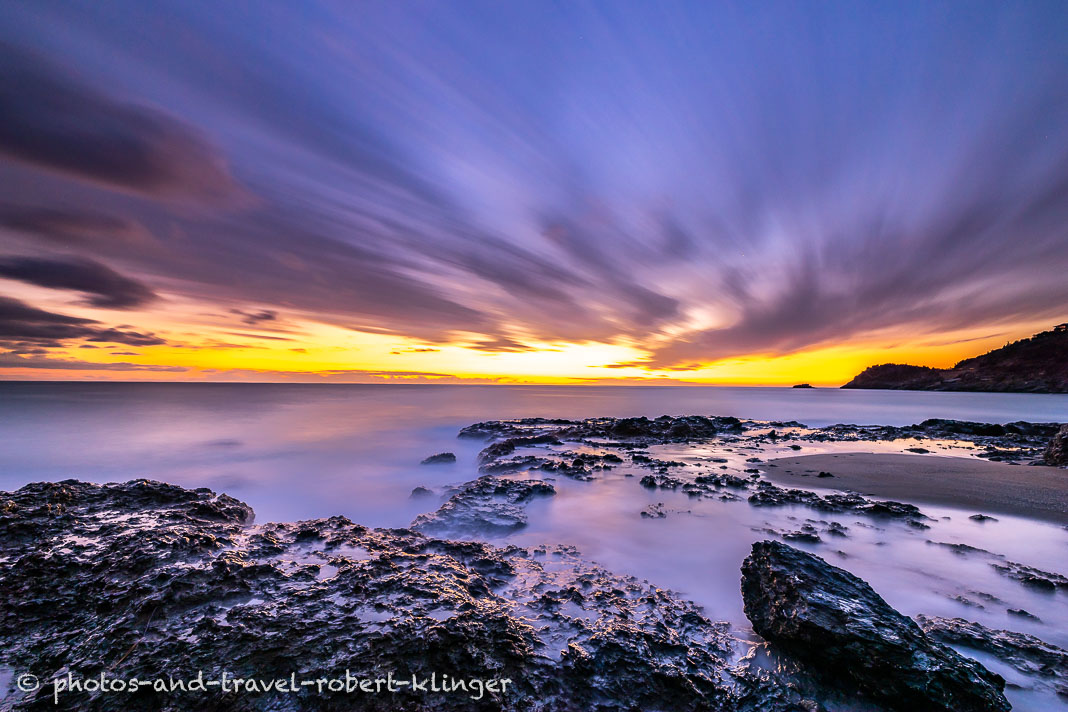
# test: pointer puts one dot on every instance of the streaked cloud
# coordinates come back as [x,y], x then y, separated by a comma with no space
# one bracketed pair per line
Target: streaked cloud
[684,182]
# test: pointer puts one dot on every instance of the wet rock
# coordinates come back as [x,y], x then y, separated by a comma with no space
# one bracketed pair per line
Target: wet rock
[982,518]
[1047,663]
[148,580]
[824,474]
[962,549]
[1030,576]
[770,495]
[836,529]
[508,428]
[663,429]
[654,511]
[513,464]
[1057,450]
[1021,613]
[505,448]
[440,459]
[642,459]
[835,623]
[489,505]
[421,492]
[918,450]
[805,534]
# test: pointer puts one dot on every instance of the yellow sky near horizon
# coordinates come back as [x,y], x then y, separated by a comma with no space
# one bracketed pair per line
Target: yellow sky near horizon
[205,344]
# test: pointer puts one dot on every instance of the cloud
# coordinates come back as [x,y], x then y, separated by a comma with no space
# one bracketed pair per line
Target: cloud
[11,360]
[52,121]
[260,336]
[103,286]
[254,318]
[711,184]
[21,323]
[72,227]
[501,344]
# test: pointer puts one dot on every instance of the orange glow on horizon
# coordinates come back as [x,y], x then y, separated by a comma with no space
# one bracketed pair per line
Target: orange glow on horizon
[308,351]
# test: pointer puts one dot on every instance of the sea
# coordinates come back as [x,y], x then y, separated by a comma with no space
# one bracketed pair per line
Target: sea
[301,451]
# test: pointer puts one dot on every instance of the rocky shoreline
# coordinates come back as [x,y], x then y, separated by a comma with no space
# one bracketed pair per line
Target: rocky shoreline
[150,580]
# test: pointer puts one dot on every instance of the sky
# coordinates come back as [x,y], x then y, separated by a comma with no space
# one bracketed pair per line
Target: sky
[527,191]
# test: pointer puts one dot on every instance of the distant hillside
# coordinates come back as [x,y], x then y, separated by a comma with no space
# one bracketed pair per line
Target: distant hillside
[1035,365]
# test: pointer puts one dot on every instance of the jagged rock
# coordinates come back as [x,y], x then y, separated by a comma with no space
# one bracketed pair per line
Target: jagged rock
[1030,576]
[488,505]
[654,511]
[1025,653]
[441,458]
[152,581]
[504,448]
[770,495]
[1057,450]
[806,534]
[834,622]
[502,428]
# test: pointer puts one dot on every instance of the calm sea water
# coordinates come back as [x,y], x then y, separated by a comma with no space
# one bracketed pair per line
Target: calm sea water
[302,451]
[308,450]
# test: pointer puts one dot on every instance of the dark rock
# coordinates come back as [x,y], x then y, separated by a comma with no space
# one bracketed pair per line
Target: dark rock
[1057,450]
[824,474]
[654,511]
[918,450]
[488,505]
[440,459]
[152,581]
[770,495]
[1030,576]
[809,537]
[420,492]
[504,448]
[1034,365]
[835,623]
[802,385]
[982,518]
[1021,613]
[897,376]
[1025,653]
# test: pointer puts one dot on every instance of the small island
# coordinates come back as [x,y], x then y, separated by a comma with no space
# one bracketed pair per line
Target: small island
[1035,365]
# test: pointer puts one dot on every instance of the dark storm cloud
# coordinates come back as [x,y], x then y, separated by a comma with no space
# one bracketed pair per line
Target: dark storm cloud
[50,120]
[791,174]
[103,286]
[21,323]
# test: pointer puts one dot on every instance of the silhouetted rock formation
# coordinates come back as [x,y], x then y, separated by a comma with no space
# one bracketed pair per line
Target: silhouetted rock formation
[834,622]
[1035,365]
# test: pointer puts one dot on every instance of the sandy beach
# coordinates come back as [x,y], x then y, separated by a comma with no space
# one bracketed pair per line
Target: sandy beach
[966,483]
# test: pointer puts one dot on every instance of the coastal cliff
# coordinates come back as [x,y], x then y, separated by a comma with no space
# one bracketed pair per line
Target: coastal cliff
[1035,365]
